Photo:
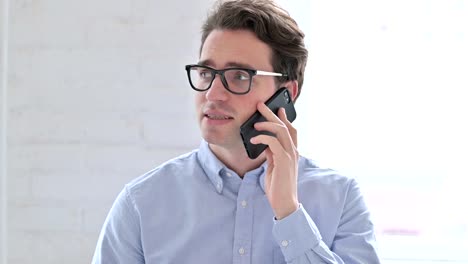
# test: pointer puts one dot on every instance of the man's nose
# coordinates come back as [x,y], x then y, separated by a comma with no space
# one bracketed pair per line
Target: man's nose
[217,91]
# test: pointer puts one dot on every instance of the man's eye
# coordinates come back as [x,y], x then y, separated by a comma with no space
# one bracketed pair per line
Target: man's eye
[205,74]
[242,76]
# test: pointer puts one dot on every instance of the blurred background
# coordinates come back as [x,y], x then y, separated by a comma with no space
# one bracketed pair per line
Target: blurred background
[94,94]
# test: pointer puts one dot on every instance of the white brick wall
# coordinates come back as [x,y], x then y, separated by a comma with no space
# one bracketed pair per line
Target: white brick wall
[97,95]
[3,107]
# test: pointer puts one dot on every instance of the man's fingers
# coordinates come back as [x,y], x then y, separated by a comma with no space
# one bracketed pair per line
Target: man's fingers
[273,143]
[281,133]
[280,126]
[292,130]
[268,114]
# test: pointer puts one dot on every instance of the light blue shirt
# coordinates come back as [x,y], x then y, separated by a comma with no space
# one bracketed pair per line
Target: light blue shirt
[193,209]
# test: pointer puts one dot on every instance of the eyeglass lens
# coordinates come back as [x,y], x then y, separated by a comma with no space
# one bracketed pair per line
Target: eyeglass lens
[238,80]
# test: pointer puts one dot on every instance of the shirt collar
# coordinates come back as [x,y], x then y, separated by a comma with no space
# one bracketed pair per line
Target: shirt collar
[211,165]
[214,168]
[263,169]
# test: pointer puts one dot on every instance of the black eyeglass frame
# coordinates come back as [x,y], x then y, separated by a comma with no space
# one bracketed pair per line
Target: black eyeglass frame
[251,72]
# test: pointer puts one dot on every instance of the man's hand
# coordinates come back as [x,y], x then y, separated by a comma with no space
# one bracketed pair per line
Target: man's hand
[282,157]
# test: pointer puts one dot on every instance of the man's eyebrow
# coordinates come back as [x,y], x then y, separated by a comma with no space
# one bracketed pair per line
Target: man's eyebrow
[232,64]
[205,62]
[239,64]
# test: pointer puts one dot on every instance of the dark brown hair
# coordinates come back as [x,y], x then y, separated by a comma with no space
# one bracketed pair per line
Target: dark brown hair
[271,24]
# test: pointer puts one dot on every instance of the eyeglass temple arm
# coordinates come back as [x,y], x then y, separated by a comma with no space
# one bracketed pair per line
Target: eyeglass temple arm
[270,73]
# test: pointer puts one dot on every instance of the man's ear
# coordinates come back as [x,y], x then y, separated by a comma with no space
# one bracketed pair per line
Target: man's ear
[293,88]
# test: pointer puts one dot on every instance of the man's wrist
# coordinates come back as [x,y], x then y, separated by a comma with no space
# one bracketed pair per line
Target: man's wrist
[286,212]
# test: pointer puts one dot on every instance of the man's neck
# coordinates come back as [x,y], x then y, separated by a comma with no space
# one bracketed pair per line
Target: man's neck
[236,159]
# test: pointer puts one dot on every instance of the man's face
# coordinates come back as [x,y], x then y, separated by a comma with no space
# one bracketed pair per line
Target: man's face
[221,113]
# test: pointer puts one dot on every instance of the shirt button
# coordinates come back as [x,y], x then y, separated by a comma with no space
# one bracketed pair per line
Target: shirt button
[284,243]
[241,251]
[228,174]
[244,203]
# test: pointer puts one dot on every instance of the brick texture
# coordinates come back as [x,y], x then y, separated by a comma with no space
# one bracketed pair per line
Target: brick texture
[97,95]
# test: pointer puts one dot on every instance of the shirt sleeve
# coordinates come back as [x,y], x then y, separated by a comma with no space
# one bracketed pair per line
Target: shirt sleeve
[120,239]
[354,242]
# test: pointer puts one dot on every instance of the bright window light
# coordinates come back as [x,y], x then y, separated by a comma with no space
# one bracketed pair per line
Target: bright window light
[385,100]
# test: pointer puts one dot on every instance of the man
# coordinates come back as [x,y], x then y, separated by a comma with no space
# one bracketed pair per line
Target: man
[215,204]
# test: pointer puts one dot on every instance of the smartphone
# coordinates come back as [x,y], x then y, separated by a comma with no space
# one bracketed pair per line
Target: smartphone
[281,98]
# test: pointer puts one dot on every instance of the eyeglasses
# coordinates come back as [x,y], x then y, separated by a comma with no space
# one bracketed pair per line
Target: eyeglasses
[235,80]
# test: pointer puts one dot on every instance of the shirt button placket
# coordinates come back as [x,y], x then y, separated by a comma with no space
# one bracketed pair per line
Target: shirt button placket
[241,251]
[244,203]
[244,220]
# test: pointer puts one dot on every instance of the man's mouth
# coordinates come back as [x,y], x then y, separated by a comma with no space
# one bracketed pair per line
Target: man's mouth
[218,117]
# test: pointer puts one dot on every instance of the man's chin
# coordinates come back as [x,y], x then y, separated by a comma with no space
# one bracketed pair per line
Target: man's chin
[222,140]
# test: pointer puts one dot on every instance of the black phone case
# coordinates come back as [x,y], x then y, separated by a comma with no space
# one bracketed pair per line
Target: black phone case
[281,98]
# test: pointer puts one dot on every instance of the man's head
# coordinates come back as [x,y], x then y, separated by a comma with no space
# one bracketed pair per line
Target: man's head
[241,37]
[272,25]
